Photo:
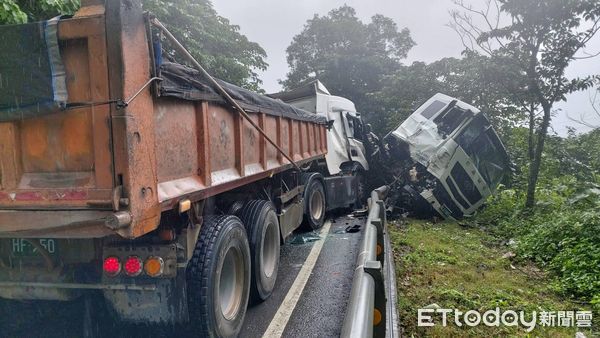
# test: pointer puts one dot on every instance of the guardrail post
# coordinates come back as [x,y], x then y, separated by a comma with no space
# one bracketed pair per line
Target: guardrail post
[382,211]
[378,223]
[375,270]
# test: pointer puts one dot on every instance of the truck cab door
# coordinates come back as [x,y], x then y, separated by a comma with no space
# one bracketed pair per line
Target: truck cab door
[355,135]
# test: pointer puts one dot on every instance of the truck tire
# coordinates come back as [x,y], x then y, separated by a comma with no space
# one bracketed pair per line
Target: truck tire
[262,226]
[315,204]
[218,278]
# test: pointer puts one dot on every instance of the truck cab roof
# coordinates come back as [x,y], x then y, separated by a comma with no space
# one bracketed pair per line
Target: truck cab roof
[316,98]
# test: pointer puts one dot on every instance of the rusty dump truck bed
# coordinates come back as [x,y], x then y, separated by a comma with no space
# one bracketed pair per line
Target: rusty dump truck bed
[73,170]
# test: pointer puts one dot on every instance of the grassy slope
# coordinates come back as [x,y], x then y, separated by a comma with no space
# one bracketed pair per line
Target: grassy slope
[463,268]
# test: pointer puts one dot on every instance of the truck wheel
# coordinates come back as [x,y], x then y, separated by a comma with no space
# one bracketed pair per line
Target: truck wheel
[262,226]
[315,206]
[218,278]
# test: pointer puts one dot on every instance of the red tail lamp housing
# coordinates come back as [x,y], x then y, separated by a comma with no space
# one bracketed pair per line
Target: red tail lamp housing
[111,266]
[133,266]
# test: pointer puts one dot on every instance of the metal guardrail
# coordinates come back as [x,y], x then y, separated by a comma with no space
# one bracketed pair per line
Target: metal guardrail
[369,313]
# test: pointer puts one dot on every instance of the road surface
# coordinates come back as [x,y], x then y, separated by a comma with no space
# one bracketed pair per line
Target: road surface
[310,298]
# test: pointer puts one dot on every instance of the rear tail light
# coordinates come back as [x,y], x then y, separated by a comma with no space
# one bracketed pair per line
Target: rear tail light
[111,266]
[154,266]
[133,266]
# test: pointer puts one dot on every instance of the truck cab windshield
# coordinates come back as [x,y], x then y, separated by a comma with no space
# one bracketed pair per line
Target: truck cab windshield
[450,119]
[482,144]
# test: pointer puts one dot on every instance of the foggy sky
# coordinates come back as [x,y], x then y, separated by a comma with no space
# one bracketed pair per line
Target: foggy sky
[273,23]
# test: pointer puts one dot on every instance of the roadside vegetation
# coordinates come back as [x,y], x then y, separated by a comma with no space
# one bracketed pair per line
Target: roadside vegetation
[453,266]
[561,232]
[508,255]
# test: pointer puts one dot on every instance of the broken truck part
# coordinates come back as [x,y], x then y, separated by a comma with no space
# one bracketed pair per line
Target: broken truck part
[147,181]
[445,160]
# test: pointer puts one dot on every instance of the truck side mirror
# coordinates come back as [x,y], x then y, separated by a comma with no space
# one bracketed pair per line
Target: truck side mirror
[330,124]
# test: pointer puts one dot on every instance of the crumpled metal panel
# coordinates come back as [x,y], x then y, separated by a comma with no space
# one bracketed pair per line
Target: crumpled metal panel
[421,132]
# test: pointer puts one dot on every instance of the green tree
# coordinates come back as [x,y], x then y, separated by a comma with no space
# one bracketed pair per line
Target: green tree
[22,11]
[211,38]
[536,40]
[216,43]
[401,92]
[350,57]
[471,78]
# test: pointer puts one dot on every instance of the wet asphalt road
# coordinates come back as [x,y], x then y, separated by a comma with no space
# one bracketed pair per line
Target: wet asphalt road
[321,308]
[319,311]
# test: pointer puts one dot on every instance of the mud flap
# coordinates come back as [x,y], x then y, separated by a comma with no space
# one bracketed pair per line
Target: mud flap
[166,304]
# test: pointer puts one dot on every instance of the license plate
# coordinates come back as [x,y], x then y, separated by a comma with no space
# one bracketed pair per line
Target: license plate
[22,247]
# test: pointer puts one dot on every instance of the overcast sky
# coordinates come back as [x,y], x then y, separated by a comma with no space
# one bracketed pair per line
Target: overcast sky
[273,23]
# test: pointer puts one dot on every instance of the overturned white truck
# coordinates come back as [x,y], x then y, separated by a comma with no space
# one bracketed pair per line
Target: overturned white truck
[445,159]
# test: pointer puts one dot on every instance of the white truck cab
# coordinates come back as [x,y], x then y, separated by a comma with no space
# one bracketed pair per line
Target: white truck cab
[450,157]
[345,139]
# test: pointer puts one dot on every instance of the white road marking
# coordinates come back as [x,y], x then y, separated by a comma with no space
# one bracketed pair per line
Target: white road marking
[288,305]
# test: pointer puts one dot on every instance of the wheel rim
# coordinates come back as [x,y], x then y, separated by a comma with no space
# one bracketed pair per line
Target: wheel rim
[231,283]
[269,254]
[316,204]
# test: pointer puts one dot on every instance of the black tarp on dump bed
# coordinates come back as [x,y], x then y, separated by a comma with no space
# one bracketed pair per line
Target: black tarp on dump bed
[188,84]
[32,76]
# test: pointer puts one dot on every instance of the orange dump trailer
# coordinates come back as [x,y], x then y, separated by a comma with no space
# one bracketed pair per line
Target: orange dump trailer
[130,177]
[73,169]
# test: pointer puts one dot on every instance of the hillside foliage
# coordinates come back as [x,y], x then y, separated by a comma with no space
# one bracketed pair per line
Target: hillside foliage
[214,41]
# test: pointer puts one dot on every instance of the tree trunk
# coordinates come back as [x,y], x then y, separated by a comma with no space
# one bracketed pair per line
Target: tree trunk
[531,142]
[534,168]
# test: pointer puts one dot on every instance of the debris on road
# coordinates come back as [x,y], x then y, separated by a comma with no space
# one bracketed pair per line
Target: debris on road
[306,237]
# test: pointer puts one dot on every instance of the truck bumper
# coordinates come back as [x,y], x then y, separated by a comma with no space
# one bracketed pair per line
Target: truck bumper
[54,224]
[35,284]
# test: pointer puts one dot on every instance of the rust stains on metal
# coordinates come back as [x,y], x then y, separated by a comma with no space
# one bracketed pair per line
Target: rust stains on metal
[158,150]
[34,138]
[203,140]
